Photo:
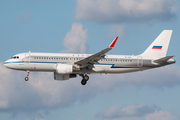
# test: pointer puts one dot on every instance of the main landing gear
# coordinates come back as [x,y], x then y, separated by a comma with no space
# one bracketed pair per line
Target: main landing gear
[27,78]
[85,79]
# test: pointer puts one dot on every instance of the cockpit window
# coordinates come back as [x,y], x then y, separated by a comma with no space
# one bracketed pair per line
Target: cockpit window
[15,57]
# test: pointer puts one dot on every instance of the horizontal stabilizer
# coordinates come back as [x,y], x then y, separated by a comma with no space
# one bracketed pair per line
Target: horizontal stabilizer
[164,59]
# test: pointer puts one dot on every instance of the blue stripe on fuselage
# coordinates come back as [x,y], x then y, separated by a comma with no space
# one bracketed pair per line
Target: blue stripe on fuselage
[29,62]
[112,65]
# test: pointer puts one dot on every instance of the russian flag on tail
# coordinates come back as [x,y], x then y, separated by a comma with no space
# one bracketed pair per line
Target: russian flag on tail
[157,47]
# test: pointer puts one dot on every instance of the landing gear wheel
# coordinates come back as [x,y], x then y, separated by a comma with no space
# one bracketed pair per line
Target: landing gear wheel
[86,77]
[83,82]
[26,78]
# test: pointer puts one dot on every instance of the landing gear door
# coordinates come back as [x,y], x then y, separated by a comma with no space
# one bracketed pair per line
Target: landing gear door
[139,61]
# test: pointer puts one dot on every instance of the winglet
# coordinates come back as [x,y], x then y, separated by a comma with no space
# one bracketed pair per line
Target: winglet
[113,43]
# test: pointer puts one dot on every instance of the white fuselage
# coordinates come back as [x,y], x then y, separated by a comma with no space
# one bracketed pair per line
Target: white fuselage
[48,62]
[67,66]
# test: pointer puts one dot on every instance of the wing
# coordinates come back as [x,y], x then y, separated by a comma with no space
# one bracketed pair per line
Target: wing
[96,57]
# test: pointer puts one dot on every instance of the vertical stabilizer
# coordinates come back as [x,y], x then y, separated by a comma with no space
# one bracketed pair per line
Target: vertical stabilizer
[159,46]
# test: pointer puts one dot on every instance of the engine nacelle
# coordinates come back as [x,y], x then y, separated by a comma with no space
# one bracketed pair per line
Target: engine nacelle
[63,76]
[64,68]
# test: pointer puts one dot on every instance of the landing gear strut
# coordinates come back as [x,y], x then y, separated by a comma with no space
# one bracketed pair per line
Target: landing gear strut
[27,78]
[85,79]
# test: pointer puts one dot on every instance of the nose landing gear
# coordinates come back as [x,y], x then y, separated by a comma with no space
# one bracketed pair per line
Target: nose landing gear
[85,79]
[27,78]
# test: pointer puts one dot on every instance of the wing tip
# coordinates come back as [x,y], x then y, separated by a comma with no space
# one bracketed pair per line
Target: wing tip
[113,43]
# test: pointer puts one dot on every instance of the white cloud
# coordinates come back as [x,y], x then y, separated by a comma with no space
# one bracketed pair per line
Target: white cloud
[130,111]
[75,40]
[138,112]
[120,13]
[167,76]
[161,115]
[125,11]
[118,29]
[39,119]
[26,17]
[42,92]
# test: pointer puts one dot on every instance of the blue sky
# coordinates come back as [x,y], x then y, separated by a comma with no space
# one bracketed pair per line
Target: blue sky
[88,26]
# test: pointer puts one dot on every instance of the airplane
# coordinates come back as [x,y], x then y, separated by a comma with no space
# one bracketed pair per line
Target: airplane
[66,66]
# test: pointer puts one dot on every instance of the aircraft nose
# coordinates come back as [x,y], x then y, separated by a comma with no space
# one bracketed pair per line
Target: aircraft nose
[6,63]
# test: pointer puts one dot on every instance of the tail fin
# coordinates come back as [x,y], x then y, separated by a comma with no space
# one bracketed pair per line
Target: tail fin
[160,45]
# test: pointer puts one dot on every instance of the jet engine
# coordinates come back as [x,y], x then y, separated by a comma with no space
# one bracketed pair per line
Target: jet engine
[63,76]
[64,68]
[65,71]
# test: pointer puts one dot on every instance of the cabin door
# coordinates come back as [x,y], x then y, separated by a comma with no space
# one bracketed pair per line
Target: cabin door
[27,58]
[139,61]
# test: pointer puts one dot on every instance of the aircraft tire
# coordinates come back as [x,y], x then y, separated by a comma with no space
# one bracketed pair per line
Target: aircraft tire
[26,78]
[83,82]
[86,77]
